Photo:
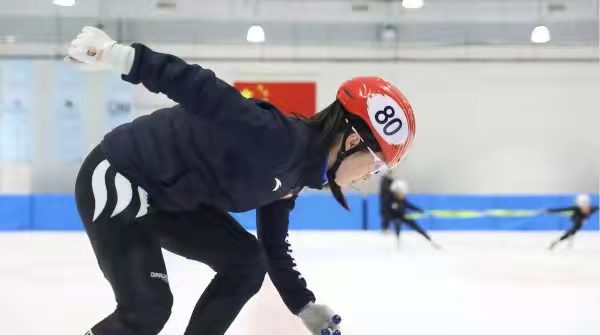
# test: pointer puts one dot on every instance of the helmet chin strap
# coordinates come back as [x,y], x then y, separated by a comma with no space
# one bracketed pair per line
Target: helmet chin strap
[342,154]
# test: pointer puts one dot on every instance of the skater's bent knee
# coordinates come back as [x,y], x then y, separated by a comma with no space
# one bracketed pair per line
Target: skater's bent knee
[256,263]
[148,318]
[251,259]
[250,267]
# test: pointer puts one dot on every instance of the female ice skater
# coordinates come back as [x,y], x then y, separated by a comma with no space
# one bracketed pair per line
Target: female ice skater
[581,212]
[398,208]
[168,180]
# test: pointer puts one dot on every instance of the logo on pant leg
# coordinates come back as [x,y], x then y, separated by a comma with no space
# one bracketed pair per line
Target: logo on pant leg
[124,193]
[160,276]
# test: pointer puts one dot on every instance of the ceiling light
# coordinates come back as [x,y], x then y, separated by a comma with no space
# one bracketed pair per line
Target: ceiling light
[256,34]
[412,4]
[64,3]
[540,34]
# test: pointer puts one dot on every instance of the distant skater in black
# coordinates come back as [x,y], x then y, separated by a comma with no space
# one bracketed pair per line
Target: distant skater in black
[385,195]
[580,213]
[398,208]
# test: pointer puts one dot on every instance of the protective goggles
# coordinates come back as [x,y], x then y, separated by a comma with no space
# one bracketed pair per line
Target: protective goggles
[378,164]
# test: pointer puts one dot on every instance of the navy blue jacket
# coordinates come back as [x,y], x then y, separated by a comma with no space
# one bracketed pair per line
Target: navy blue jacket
[218,148]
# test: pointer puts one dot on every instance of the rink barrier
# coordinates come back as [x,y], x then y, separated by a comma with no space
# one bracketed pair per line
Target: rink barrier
[485,203]
[320,211]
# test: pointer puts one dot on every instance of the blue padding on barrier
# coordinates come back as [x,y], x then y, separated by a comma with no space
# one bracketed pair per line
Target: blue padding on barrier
[246,219]
[55,212]
[315,211]
[15,212]
[320,211]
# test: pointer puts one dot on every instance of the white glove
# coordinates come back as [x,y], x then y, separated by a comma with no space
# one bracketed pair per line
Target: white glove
[320,317]
[93,46]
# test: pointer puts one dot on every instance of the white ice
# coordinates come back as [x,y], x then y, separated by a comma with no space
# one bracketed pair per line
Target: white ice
[492,283]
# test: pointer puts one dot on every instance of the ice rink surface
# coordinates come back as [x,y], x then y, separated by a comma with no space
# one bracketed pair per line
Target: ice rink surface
[492,283]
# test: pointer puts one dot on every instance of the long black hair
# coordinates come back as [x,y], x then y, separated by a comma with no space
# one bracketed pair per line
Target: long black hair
[332,122]
[335,120]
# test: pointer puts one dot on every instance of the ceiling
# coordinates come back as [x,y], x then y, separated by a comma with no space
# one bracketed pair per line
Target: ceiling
[296,22]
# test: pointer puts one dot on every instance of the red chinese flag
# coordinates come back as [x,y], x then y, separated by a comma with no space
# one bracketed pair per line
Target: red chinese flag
[297,98]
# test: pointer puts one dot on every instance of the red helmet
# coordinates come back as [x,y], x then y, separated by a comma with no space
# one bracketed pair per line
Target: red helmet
[385,109]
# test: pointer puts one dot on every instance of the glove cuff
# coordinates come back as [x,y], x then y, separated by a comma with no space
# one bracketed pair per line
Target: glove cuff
[119,57]
[305,308]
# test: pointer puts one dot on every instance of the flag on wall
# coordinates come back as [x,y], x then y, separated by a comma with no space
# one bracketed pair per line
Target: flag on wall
[292,98]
